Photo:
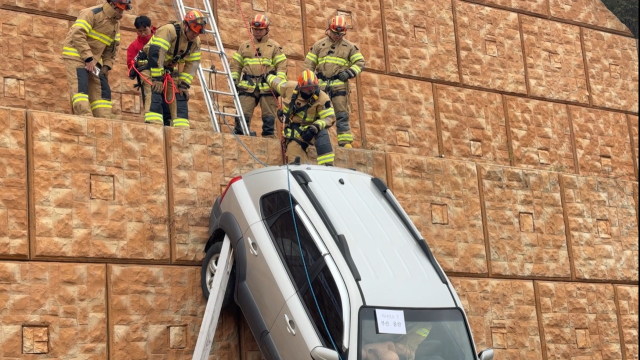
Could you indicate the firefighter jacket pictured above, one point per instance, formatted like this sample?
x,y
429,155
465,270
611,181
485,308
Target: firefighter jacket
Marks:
x,y
161,48
247,66
94,36
317,110
327,58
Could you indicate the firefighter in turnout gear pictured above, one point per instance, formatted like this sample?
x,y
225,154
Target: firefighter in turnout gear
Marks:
x,y
336,60
308,114
250,67
173,55
89,49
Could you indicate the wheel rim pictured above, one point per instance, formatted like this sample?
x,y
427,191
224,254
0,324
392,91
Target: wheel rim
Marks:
x,y
212,267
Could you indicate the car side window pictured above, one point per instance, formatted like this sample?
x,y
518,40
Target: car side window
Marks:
x,y
276,210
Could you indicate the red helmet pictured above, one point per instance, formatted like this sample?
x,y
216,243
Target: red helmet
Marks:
x,y
338,24
122,4
308,81
196,21
259,22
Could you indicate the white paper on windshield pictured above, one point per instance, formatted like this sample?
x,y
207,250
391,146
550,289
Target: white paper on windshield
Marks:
x,y
390,322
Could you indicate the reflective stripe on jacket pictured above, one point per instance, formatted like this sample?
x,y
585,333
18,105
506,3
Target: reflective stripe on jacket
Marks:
x,y
160,51
328,58
271,60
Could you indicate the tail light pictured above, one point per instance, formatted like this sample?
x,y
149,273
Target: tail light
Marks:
x,y
228,186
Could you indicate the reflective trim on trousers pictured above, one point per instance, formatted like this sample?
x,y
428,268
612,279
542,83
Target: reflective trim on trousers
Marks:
x,y
79,97
180,122
99,104
328,158
153,118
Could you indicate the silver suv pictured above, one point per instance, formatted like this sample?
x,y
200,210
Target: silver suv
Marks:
x,y
329,266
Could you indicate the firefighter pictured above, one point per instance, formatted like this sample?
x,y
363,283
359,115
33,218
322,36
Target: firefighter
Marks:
x,y
172,44
89,49
336,60
249,68
307,113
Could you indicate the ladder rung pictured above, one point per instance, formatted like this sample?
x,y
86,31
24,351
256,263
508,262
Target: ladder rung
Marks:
x,y
214,71
192,8
226,114
209,31
211,51
221,92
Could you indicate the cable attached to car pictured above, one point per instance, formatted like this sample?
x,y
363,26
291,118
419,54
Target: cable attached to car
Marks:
x,y
304,265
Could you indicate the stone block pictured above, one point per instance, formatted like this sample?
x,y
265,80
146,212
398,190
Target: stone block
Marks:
x,y
490,48
238,161
14,240
537,6
612,62
603,227
99,188
502,315
592,12
365,26
468,116
392,104
627,298
553,54
454,229
421,30
540,135
633,128
285,28
602,143
156,311
525,222
54,309
579,320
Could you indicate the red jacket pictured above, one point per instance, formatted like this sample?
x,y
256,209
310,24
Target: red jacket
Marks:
x,y
137,45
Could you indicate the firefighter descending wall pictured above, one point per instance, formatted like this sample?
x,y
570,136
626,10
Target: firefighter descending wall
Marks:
x,y
508,130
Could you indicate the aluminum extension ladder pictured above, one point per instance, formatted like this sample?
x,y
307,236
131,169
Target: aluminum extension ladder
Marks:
x,y
212,106
214,304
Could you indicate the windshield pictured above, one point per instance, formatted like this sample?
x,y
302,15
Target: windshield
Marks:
x,y
413,334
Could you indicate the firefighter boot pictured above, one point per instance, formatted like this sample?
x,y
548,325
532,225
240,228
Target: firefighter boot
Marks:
x,y
324,148
344,131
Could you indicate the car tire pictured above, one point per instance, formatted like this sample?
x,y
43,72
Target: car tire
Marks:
x,y
206,274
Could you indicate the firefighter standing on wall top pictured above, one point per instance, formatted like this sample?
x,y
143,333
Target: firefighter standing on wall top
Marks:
x,y
336,60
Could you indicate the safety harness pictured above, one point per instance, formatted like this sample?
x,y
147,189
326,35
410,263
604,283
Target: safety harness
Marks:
x,y
295,127
328,88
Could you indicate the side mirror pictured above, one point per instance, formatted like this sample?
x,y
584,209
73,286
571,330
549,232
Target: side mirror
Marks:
x,y
322,353
486,354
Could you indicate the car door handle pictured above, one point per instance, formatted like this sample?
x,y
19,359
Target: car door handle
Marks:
x,y
291,325
253,247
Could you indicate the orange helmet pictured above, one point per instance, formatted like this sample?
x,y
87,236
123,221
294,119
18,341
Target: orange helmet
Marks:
x,y
338,24
196,21
122,4
308,81
259,22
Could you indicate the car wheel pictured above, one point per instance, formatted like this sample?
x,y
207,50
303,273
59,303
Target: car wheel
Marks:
x,y
209,268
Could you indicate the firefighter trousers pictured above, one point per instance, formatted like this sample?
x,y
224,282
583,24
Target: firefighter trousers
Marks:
x,y
295,146
90,95
146,97
340,99
153,104
268,105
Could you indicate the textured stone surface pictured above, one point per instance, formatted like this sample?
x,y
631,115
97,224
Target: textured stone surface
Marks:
x,y
540,135
421,30
612,61
490,48
602,143
633,122
536,6
603,227
502,315
13,183
525,222
473,125
443,201
286,22
73,220
553,54
399,115
365,26
67,300
32,73
147,306
250,349
369,162
628,311
579,320
198,161
592,12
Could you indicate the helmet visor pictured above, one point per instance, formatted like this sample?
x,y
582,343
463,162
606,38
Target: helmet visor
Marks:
x,y
198,24
123,4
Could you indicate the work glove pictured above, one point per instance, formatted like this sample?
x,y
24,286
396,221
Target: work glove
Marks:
x,y
105,71
346,75
309,133
280,114
183,88
157,85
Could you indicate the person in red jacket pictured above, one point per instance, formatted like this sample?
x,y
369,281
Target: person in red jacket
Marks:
x,y
145,32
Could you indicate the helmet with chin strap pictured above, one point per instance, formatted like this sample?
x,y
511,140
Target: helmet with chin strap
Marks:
x,y
338,25
121,4
196,21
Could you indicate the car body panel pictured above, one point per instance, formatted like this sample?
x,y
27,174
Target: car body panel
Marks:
x,y
296,345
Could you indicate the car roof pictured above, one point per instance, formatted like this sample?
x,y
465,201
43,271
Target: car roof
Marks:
x,y
394,270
